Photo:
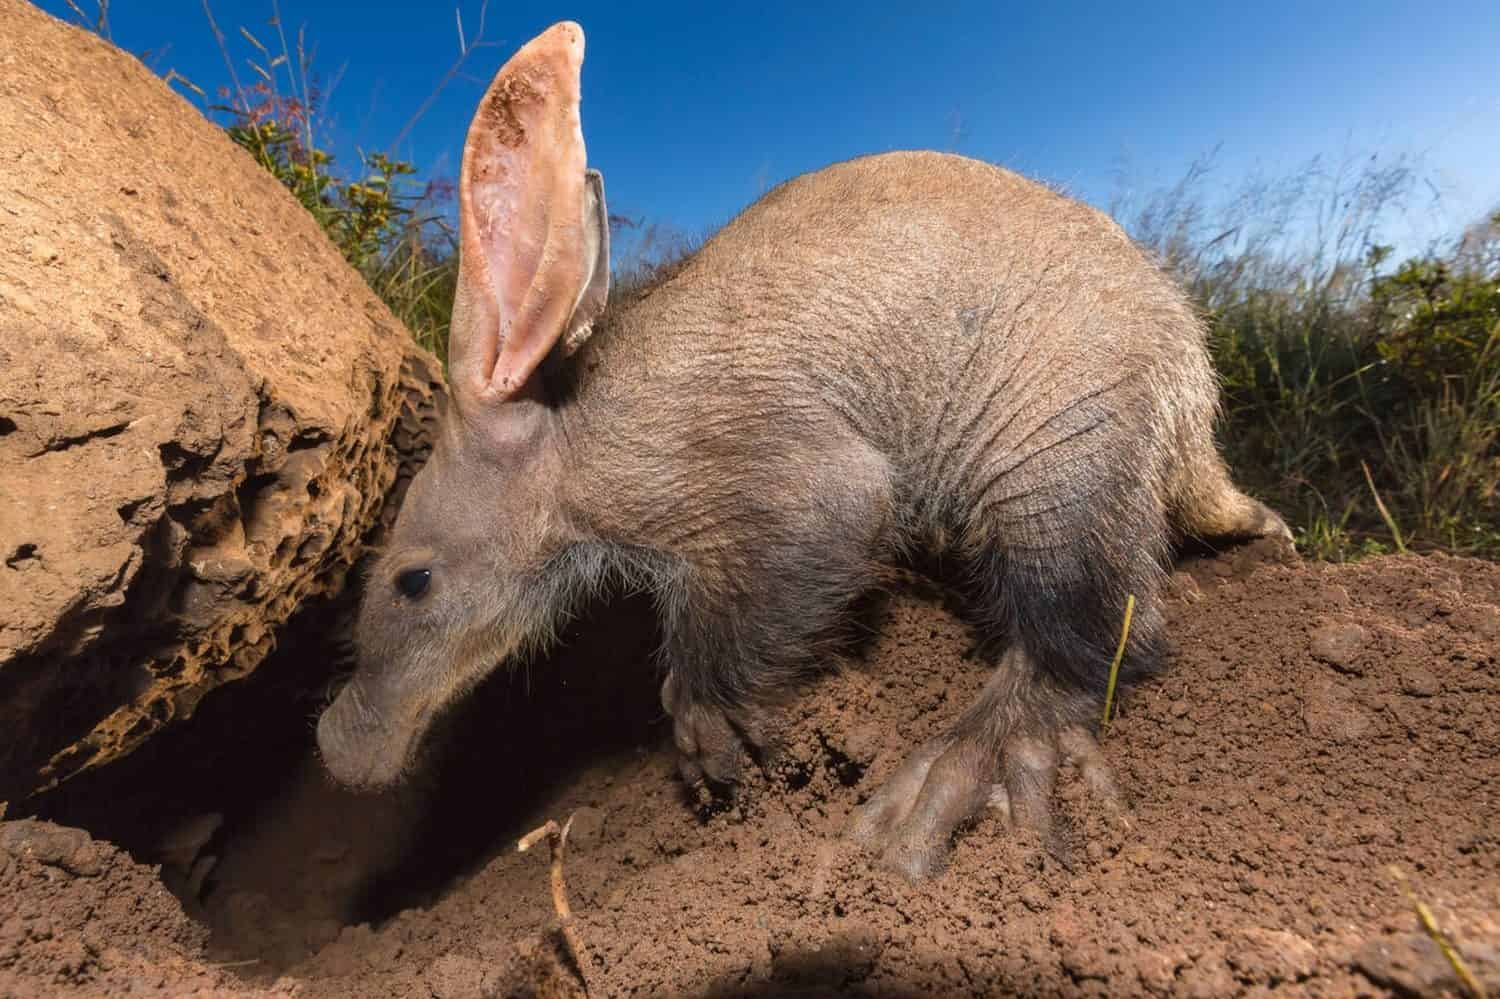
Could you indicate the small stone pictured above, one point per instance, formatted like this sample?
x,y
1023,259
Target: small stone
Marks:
x,y
1271,957
72,850
1418,682
1339,644
1409,963
455,976
862,743
1185,588
1034,898
1157,971
588,828
1328,712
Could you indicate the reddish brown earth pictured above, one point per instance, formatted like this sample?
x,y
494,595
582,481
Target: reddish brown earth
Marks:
x,y
1317,724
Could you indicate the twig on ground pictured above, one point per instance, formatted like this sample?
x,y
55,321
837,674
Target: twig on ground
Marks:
x,y
1430,926
557,837
1114,667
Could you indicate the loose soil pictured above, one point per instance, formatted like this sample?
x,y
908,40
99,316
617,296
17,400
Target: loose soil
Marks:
x,y
1316,725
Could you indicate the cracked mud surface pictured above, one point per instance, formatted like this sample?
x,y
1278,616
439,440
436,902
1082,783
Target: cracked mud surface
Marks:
x,y
1317,724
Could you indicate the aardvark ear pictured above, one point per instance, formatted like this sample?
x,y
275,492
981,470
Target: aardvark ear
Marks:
x,y
533,225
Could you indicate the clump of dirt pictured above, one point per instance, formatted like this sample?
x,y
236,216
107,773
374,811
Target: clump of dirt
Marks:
x,y
1316,725
80,915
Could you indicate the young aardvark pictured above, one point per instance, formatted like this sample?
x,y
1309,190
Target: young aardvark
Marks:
x,y
904,351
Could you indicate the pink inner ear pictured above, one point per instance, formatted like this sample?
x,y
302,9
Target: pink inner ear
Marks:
x,y
521,199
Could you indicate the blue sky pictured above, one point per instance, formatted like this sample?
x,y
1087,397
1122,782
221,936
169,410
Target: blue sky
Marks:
x,y
691,110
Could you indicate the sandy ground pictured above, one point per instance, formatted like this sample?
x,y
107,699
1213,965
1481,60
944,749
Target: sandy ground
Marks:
x,y
1316,725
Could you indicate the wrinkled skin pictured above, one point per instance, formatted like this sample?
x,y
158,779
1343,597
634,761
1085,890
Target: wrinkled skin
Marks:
x,y
477,609
906,351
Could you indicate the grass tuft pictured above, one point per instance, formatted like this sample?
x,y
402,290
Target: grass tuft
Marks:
x,y
1358,394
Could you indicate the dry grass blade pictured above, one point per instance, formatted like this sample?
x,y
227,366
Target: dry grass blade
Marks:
x,y
1114,667
1430,927
466,48
1385,515
253,40
175,77
557,837
98,25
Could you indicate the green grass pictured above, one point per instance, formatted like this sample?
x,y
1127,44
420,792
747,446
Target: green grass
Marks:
x,y
401,247
1361,396
392,229
1362,400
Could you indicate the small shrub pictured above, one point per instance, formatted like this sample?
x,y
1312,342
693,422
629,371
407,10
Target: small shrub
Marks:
x,y
389,229
1330,363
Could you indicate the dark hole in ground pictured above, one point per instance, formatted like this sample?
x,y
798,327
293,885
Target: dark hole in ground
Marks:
x,y
250,494
128,509
250,748
242,740
22,553
521,735
181,463
849,772
304,439
235,806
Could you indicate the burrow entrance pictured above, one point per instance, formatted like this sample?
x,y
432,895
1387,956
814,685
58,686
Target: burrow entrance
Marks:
x,y
257,842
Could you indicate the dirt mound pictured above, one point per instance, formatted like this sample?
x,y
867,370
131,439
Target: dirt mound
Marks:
x,y
202,407
82,918
1317,724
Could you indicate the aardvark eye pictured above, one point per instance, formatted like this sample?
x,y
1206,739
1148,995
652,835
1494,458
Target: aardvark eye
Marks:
x,y
413,582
